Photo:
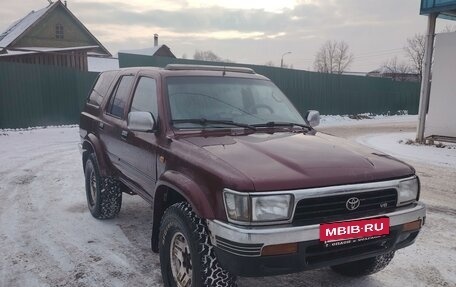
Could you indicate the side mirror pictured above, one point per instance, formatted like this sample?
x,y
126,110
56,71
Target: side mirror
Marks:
x,y
141,121
313,118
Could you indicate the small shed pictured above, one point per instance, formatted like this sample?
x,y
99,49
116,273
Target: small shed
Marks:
x,y
438,101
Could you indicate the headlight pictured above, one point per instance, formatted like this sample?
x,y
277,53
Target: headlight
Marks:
x,y
249,208
408,191
271,208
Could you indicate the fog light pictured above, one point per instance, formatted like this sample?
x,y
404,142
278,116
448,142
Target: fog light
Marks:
x,y
280,249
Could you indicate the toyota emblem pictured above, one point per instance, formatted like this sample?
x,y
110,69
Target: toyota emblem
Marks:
x,y
352,203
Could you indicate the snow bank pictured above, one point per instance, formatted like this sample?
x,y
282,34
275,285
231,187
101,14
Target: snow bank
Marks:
x,y
335,120
394,144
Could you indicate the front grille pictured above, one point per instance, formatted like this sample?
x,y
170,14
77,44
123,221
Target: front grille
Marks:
x,y
320,253
333,208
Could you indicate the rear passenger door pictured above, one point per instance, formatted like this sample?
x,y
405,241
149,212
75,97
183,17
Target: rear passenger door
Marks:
x,y
113,130
141,160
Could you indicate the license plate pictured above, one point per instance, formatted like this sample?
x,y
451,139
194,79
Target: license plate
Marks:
x,y
354,229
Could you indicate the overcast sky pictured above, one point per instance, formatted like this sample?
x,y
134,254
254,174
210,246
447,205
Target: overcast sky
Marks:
x,y
248,31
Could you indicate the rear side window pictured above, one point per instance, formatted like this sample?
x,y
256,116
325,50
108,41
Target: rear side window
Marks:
x,y
101,87
145,98
119,98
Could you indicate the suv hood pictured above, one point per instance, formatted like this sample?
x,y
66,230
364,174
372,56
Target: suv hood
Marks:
x,y
282,161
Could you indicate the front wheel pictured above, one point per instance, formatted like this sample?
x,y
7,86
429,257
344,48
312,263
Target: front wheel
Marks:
x,y
365,266
187,257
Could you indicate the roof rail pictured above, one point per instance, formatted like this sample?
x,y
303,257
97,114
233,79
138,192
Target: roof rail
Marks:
x,y
177,67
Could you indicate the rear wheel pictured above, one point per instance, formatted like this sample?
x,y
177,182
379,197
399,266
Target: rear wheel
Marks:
x,y
104,195
187,257
364,267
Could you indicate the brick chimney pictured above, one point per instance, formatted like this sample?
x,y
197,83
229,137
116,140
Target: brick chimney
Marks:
x,y
155,40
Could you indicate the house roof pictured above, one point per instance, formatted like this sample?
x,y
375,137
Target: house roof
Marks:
x,y
146,51
16,30
35,50
20,26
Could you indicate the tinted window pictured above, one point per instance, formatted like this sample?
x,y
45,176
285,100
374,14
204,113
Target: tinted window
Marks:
x,y
145,98
101,87
119,99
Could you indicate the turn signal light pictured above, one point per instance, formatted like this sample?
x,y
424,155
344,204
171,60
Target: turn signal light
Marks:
x,y
414,225
280,249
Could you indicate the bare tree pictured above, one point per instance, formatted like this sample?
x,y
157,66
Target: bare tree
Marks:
x,y
184,56
398,71
269,64
414,50
206,56
209,56
333,57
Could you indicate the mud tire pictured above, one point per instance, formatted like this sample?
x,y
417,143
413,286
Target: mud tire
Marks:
x,y
206,270
105,202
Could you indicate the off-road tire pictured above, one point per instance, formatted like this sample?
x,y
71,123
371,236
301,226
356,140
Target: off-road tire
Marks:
x,y
107,201
365,266
206,270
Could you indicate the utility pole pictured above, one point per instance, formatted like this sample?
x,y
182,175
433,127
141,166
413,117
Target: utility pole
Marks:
x,y
425,81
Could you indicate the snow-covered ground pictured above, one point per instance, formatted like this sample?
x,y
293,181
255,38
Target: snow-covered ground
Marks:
x,y
48,237
334,121
395,145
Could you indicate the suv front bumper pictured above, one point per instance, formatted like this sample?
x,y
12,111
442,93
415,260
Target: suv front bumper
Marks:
x,y
239,248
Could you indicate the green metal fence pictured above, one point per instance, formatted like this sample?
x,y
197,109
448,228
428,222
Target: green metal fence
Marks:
x,y
38,95
330,94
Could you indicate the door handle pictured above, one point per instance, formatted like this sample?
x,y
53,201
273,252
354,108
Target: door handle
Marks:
x,y
101,125
124,135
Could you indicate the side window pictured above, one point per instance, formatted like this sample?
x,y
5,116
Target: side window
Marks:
x,y
100,89
145,97
119,98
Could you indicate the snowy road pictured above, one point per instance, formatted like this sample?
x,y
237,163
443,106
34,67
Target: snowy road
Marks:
x,y
48,237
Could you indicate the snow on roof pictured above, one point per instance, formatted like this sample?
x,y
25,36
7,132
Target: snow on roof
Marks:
x,y
20,26
145,51
33,50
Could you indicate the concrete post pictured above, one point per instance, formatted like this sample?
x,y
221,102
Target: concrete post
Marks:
x,y
425,81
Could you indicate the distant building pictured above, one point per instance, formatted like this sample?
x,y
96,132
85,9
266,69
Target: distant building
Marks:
x,y
156,50
50,36
401,77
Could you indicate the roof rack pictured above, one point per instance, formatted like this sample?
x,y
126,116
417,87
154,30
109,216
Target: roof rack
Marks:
x,y
179,67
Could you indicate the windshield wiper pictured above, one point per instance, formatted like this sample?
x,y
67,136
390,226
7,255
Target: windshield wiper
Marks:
x,y
282,124
205,122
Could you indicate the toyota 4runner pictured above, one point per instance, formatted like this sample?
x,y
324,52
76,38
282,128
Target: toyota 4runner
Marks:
x,y
240,183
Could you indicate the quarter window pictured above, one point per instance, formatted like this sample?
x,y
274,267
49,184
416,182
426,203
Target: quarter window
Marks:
x,y
120,97
59,33
145,98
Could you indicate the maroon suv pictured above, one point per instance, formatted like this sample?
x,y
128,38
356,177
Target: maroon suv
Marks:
x,y
240,183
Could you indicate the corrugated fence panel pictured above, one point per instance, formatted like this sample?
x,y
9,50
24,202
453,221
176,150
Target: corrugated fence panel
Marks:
x,y
330,94
39,95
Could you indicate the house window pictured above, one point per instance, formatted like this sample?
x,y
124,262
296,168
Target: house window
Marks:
x,y
59,31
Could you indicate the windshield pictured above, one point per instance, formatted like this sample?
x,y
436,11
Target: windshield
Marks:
x,y
237,100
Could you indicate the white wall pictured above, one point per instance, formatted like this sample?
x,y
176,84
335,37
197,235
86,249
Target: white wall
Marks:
x,y
97,64
441,118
